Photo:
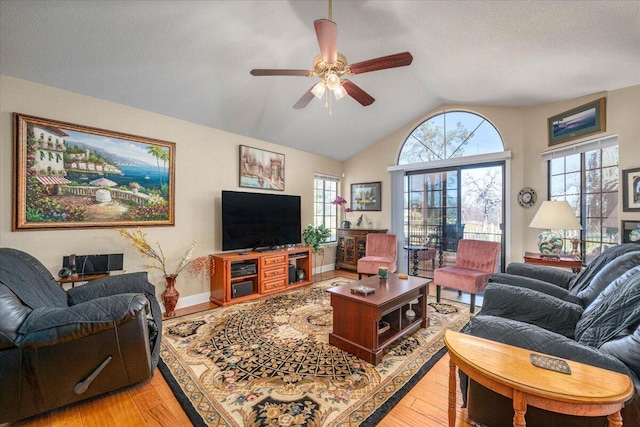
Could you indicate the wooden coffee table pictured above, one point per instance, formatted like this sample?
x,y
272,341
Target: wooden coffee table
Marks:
x,y
356,317
505,369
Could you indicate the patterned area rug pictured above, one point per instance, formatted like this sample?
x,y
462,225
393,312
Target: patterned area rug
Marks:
x,y
268,363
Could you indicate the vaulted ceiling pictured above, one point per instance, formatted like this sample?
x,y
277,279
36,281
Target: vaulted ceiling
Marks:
x,y
191,60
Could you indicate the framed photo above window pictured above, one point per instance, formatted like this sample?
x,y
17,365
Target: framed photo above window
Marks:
x,y
630,231
366,196
261,169
73,176
579,122
631,190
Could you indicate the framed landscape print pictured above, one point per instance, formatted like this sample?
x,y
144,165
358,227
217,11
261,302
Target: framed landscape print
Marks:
x,y
581,121
366,196
631,190
261,169
74,176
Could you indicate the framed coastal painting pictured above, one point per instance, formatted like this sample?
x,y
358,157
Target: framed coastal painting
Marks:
x,y
631,190
366,196
74,176
261,169
578,122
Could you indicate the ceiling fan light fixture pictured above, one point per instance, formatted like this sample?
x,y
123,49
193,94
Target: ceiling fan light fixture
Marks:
x,y
339,92
318,90
333,81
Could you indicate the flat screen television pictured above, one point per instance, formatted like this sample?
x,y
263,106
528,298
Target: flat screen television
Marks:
x,y
259,220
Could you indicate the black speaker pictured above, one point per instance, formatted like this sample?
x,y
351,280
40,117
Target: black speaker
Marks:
x,y
241,289
292,273
92,264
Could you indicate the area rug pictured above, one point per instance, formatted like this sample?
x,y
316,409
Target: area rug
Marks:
x,y
268,363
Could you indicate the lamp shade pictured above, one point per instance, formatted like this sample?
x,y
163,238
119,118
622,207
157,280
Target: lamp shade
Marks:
x,y
554,215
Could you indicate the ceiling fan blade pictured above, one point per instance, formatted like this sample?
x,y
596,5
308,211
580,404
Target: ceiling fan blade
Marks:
x,y
270,72
327,33
391,61
306,98
356,93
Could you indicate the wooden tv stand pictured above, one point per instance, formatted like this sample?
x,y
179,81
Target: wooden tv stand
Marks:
x,y
271,274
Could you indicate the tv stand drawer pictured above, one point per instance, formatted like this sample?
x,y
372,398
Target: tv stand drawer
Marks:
x,y
272,273
272,285
273,260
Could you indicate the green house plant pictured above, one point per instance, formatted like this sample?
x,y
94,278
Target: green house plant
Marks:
x,y
315,237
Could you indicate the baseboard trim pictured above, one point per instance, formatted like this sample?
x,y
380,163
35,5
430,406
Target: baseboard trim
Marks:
x,y
196,299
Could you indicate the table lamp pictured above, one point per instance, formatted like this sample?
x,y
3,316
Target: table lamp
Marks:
x,y
553,215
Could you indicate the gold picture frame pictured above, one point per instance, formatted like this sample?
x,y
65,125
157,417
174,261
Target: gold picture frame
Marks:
x,y
261,169
74,176
578,122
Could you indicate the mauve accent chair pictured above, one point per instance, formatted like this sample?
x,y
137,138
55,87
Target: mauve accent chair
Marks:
x,y
381,251
476,260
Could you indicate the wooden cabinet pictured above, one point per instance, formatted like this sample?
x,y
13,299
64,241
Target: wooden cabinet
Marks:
x,y
352,244
240,278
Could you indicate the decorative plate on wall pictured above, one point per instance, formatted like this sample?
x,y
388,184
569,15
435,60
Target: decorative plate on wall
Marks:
x,y
527,197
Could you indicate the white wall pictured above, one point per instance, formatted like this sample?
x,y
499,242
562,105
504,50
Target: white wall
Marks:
x,y
206,163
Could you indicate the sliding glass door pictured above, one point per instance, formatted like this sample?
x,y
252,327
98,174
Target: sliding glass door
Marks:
x,y
445,205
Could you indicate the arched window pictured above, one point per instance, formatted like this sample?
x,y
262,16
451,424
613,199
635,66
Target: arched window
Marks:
x,y
448,135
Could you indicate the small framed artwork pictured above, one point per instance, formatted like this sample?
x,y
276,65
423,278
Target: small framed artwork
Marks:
x,y
261,169
630,231
631,190
366,196
74,176
578,122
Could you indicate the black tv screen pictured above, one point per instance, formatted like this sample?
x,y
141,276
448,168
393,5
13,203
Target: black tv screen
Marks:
x,y
259,220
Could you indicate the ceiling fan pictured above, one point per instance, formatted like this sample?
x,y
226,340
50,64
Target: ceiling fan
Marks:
x,y
330,66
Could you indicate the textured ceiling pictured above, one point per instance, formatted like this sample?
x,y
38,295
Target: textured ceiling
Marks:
x,y
191,60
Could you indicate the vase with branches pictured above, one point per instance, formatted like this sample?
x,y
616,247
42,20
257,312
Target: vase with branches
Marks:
x,y
159,262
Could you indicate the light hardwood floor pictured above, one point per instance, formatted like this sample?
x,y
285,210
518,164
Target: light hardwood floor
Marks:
x,y
153,404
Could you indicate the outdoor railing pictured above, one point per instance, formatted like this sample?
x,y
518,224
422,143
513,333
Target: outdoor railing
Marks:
x,y
136,198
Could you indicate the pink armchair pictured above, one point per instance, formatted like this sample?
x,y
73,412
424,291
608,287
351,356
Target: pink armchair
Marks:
x,y
476,260
381,251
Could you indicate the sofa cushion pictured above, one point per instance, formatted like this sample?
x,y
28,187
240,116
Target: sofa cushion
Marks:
x,y
614,310
13,315
49,326
582,280
532,283
30,280
531,306
608,274
626,348
553,275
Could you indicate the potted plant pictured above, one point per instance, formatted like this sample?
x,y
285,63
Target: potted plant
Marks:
x,y
315,237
